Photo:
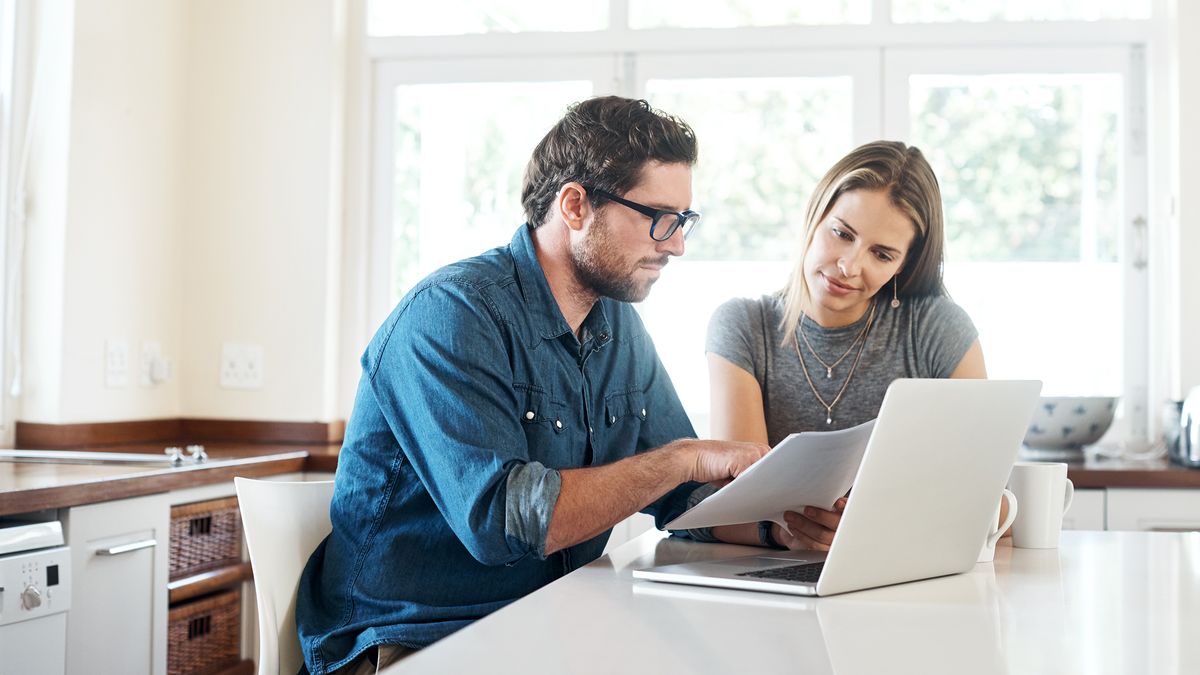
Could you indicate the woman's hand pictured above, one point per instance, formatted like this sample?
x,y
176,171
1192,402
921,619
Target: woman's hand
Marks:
x,y
810,530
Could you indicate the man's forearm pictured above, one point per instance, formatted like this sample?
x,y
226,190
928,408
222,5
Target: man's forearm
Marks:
x,y
594,499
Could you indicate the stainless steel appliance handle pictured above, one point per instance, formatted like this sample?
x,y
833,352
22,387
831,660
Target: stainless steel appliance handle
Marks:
x,y
128,548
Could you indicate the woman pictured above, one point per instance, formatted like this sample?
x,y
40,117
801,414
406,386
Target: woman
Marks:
x,y
864,306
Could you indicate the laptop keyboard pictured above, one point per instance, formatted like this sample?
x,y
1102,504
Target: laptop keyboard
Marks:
x,y
805,572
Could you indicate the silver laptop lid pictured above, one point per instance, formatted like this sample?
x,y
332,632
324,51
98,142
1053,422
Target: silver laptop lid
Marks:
x,y
929,482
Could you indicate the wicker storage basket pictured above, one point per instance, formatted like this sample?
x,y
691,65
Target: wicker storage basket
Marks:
x,y
204,635
205,536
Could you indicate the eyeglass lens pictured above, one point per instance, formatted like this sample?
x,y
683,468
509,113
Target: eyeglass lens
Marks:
x,y
666,224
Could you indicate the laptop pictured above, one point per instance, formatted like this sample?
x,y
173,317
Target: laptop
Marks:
x,y
922,502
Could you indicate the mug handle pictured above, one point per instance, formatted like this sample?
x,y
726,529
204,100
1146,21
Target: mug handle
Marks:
x,y
1070,495
1008,520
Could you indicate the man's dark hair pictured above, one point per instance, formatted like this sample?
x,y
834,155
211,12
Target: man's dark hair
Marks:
x,y
604,143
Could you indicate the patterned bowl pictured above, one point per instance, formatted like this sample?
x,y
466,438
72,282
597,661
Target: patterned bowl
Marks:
x,y
1069,422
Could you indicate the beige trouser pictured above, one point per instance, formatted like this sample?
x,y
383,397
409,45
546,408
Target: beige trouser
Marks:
x,y
374,660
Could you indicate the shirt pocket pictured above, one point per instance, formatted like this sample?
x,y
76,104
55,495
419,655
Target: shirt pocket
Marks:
x,y
625,408
545,424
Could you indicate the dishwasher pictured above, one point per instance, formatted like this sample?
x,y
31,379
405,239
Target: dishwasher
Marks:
x,y
35,595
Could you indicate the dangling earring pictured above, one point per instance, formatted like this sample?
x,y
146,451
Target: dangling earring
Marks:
x,y
895,291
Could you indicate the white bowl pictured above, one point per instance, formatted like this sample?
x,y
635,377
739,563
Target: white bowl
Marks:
x,y
1069,422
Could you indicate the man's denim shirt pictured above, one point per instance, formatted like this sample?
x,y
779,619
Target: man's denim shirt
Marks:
x,y
474,394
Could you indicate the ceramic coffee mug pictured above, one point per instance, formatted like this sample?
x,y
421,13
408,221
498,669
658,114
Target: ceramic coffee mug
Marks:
x,y
988,551
1045,494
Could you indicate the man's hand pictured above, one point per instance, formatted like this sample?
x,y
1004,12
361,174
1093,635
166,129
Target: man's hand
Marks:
x,y
719,462
593,499
810,530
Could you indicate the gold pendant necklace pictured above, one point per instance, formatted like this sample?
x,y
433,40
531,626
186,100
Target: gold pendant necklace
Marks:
x,y
830,366
853,367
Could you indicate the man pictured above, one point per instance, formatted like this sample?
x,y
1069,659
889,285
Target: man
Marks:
x,y
512,408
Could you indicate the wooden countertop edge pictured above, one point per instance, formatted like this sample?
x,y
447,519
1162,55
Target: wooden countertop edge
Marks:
x,y
1150,477
150,482
325,462
165,480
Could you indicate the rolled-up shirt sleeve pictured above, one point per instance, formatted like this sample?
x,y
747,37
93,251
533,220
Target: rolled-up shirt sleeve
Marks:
x,y
704,534
532,492
444,381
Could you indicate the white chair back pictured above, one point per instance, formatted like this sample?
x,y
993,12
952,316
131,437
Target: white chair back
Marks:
x,y
284,522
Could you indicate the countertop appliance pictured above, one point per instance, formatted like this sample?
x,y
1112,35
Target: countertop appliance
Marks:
x,y
1186,450
35,595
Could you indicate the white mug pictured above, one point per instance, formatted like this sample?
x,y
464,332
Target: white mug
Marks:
x,y
988,551
1045,494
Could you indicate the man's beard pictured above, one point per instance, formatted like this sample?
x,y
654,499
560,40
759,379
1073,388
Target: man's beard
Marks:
x,y
599,266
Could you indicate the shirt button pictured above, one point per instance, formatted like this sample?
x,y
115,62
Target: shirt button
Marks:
x,y
643,412
529,415
612,420
557,424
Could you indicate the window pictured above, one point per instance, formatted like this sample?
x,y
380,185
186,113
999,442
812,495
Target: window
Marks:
x,y
458,166
1043,179
450,156
1038,141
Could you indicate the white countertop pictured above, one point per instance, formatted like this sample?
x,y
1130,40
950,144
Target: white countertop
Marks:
x,y
1104,602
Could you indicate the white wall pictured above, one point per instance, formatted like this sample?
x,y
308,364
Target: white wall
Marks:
x,y
186,190
123,206
45,228
103,225
263,211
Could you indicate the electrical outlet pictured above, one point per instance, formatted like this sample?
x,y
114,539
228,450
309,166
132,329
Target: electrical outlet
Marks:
x,y
116,363
153,368
241,365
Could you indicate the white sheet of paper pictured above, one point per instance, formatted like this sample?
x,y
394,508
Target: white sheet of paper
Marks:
x,y
812,468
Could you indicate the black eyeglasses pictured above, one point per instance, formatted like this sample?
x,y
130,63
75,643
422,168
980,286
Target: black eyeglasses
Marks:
x,y
662,223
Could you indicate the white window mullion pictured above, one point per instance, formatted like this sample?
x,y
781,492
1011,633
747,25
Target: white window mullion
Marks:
x,y
1136,255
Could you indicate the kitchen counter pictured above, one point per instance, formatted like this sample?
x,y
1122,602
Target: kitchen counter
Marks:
x,y
32,486
1094,471
1104,602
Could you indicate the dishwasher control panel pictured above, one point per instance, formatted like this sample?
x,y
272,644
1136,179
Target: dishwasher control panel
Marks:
x,y
34,584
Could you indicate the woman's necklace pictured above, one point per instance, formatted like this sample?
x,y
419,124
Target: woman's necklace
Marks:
x,y
830,366
829,406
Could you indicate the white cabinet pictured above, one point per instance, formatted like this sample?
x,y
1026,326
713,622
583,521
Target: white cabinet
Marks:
x,y
118,617
1159,509
1087,511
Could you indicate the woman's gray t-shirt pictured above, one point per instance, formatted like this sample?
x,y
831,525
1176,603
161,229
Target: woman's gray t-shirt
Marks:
x,y
925,337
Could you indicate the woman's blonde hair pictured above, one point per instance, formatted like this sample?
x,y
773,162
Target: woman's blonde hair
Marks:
x,y
906,176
